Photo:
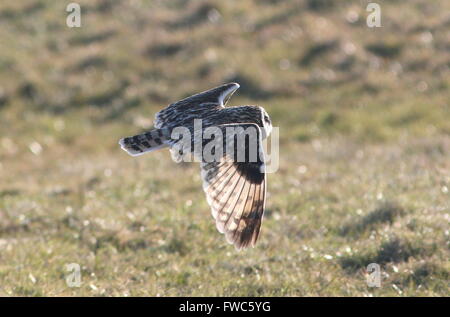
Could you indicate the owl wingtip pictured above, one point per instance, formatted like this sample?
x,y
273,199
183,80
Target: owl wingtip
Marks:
x,y
227,92
234,84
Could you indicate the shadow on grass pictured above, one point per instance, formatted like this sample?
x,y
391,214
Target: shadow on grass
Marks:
x,y
318,50
394,250
197,17
425,274
386,213
86,39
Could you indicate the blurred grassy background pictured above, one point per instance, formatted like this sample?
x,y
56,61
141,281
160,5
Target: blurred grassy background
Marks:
x,y
364,121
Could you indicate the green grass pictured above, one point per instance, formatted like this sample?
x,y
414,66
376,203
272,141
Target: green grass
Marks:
x,y
364,145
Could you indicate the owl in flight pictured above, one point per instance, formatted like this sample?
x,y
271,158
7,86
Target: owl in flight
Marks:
x,y
235,188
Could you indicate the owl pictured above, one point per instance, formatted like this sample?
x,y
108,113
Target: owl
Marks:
x,y
234,184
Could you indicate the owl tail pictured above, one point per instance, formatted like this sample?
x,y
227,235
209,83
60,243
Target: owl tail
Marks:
x,y
146,142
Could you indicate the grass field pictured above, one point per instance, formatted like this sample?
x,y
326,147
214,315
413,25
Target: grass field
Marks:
x,y
364,177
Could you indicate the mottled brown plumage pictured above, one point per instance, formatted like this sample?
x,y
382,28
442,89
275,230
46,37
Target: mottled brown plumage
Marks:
x,y
235,188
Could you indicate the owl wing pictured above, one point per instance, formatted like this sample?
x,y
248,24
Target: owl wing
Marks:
x,y
236,192
215,97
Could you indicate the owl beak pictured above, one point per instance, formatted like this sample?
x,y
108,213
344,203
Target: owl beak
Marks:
x,y
229,89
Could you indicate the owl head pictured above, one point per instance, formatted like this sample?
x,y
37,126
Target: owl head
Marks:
x,y
266,123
